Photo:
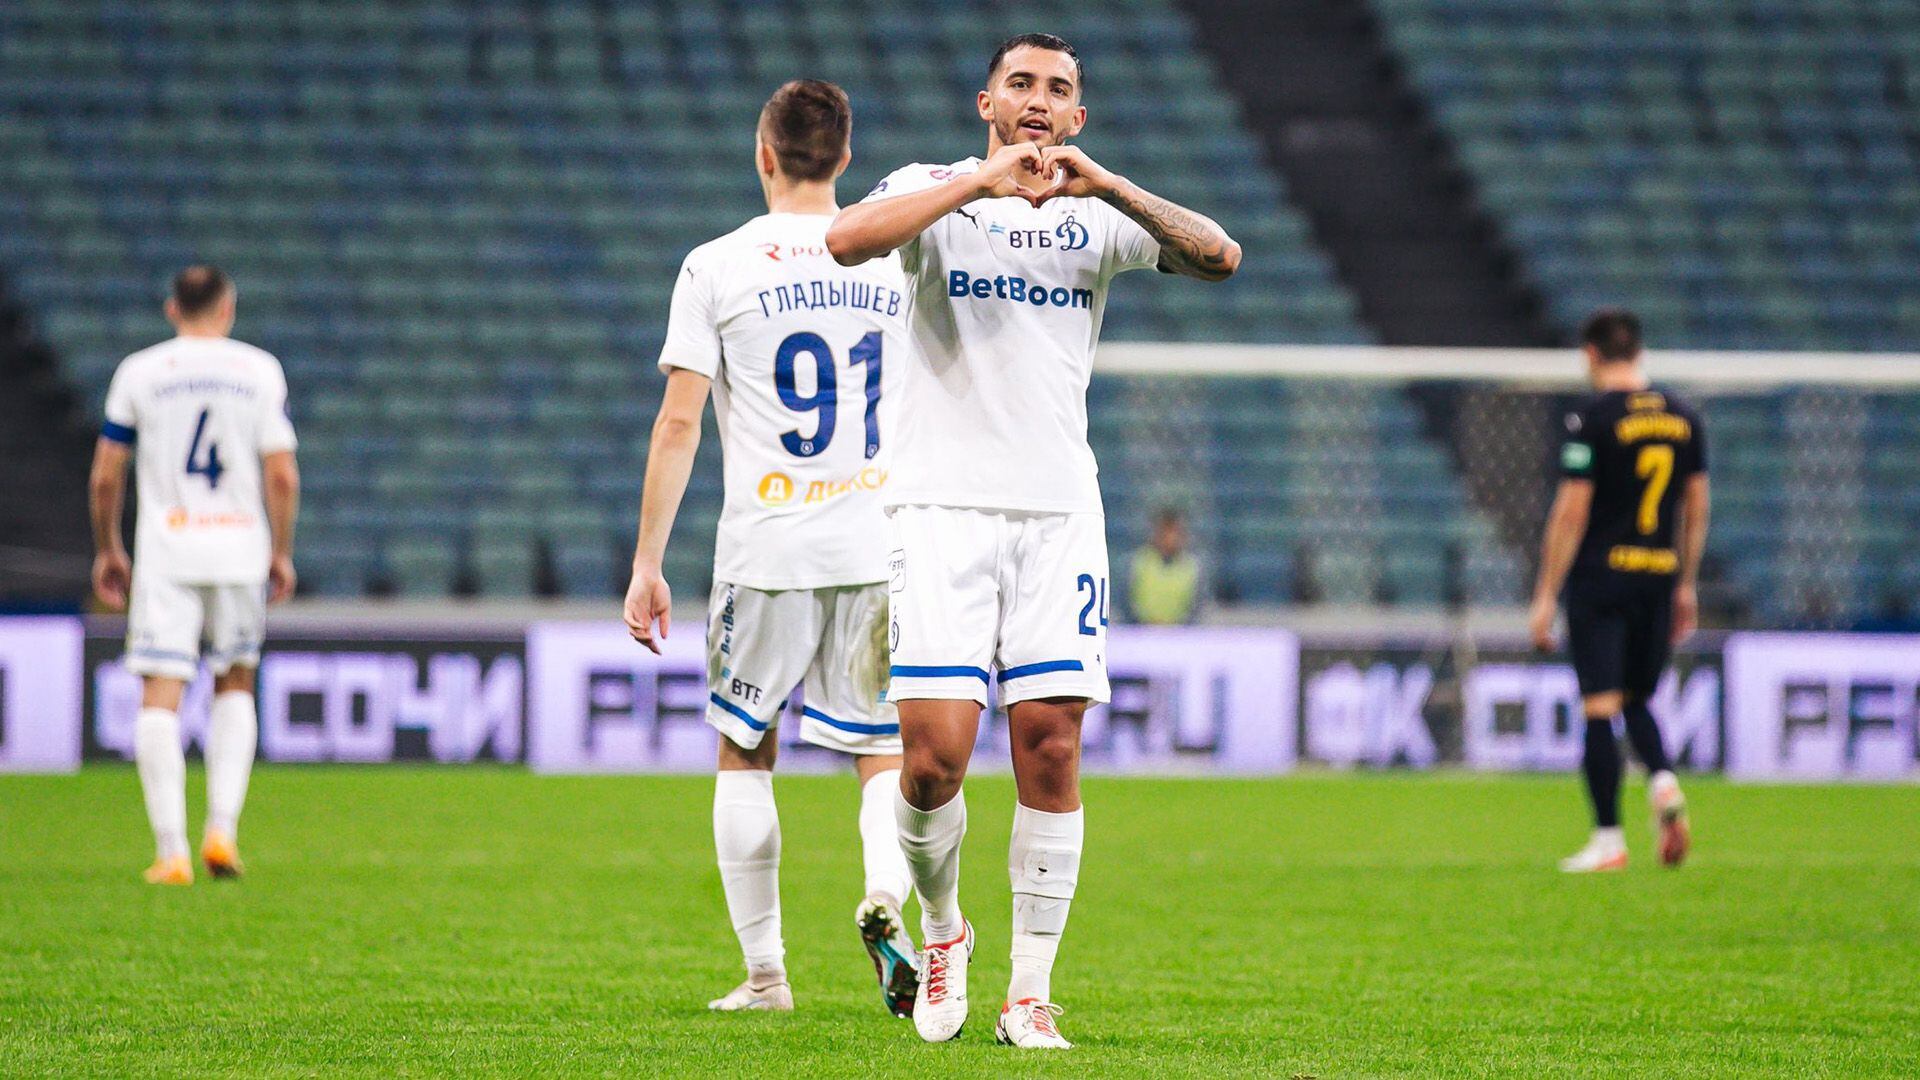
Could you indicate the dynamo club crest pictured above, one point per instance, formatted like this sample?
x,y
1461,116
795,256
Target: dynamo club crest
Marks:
x,y
1071,234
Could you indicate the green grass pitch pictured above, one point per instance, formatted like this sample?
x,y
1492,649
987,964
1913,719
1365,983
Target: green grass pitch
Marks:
x,y
430,922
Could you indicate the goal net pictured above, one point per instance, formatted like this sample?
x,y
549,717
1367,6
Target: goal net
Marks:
x,y
1396,483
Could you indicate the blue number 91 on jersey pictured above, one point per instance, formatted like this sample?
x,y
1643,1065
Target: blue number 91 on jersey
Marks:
x,y
825,397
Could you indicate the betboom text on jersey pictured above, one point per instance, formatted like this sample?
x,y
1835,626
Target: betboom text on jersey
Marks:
x,y
1015,290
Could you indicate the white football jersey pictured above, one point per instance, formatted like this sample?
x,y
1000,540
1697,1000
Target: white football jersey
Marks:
x,y
801,351
1004,305
200,412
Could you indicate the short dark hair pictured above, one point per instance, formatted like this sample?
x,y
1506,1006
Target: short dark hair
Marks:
x,y
1613,332
807,122
198,288
1037,41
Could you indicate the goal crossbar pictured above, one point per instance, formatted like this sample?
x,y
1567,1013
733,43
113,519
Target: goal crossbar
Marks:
x,y
1526,368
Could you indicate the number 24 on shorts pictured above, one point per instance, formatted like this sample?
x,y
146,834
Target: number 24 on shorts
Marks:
x,y
1096,593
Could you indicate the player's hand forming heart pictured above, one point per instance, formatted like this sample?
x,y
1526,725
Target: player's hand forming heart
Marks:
x,y
1075,175
1012,172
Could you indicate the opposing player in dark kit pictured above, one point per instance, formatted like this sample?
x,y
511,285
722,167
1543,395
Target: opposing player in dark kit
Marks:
x,y
1624,538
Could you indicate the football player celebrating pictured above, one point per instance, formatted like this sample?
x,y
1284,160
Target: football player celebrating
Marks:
x,y
999,567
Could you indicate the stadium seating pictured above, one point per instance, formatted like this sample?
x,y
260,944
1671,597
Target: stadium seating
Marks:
x,y
1815,511
1303,492
460,230
1740,171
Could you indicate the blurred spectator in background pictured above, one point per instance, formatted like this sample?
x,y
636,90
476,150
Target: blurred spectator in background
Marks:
x,y
1164,584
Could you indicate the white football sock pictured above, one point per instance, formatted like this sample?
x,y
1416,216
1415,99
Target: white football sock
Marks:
x,y
746,837
930,839
1043,864
162,765
886,864
1663,788
232,731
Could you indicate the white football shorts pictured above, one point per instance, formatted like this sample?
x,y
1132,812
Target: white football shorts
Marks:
x,y
1017,597
830,641
167,621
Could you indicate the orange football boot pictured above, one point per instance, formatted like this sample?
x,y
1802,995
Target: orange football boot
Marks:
x,y
176,870
221,855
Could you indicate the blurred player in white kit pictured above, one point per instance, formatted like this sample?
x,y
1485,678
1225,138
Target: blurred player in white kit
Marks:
x,y
204,419
796,351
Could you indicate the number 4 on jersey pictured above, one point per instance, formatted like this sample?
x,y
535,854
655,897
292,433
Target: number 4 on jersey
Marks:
x,y
211,467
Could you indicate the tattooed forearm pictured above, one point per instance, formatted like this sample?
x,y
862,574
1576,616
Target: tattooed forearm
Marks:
x,y
1190,243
